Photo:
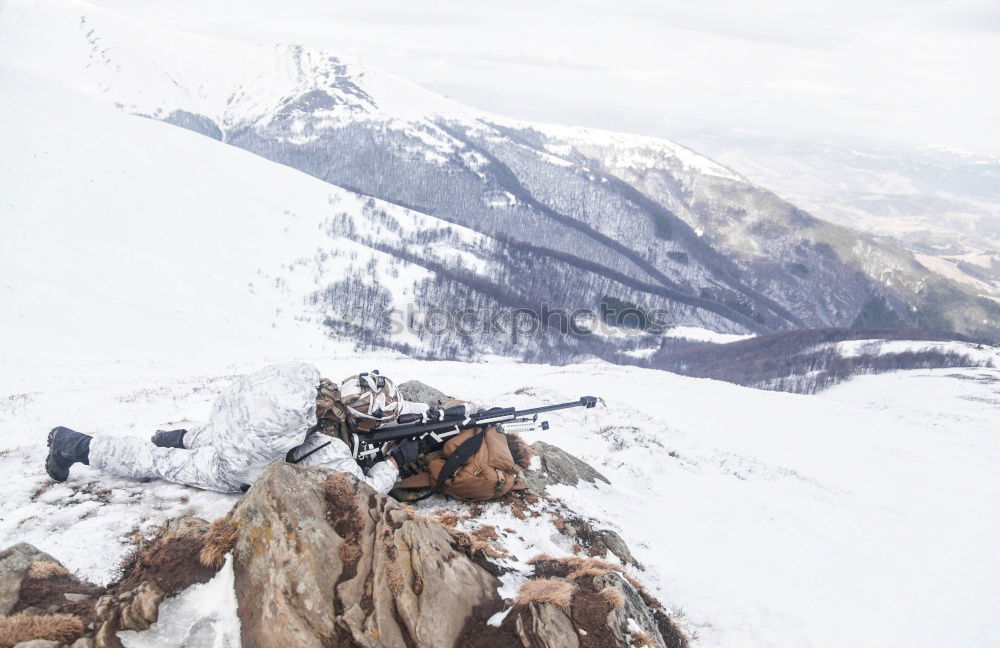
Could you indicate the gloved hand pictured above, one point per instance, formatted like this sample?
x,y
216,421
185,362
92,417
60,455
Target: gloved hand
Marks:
x,y
169,438
405,452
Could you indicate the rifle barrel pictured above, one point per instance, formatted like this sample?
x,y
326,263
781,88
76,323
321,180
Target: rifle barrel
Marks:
x,y
397,432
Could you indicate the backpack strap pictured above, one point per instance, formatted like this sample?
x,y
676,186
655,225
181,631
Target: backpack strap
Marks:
x,y
459,456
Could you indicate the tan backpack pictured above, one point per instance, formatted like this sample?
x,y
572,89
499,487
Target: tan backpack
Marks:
x,y
475,465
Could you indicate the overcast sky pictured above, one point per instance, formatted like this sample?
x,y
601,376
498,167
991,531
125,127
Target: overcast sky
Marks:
x,y
926,73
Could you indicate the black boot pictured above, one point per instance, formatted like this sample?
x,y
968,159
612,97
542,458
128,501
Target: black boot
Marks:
x,y
169,438
66,447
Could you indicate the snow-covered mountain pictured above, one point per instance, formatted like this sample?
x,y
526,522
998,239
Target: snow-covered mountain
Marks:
x,y
143,265
942,204
563,218
107,247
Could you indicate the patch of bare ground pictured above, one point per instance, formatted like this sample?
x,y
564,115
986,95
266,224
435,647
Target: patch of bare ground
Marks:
x,y
171,560
584,571
522,504
591,601
49,589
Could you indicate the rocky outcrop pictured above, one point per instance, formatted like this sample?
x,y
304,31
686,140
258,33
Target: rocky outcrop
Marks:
x,y
322,559
559,467
418,392
545,625
40,643
596,542
159,568
14,565
40,600
580,603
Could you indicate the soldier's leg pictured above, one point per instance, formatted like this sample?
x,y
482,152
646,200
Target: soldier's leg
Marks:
x,y
253,423
137,458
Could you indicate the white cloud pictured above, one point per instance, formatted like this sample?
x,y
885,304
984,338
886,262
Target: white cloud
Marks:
x,y
826,67
798,86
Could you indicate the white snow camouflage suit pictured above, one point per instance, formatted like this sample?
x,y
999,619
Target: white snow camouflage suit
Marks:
x,y
254,422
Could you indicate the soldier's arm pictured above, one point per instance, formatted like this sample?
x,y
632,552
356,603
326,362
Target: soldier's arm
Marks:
x,y
337,456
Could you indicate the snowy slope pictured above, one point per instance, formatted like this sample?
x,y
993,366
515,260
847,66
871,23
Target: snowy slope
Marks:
x,y
109,250
771,519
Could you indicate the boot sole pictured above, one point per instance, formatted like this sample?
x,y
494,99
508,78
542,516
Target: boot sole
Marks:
x,y
48,443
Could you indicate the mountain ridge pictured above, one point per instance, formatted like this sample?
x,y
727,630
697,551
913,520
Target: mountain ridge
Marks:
x,y
643,220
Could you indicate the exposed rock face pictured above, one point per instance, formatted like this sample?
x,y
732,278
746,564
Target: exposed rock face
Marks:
x,y
163,567
580,603
43,600
418,392
46,600
545,625
323,560
14,564
559,467
598,542
40,643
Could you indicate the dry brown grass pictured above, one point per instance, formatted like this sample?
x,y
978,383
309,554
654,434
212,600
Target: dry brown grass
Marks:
x,y
342,509
643,639
25,627
449,519
43,569
546,590
338,488
573,568
613,596
416,515
635,583
394,572
220,540
473,544
520,451
349,553
579,564
479,540
486,533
